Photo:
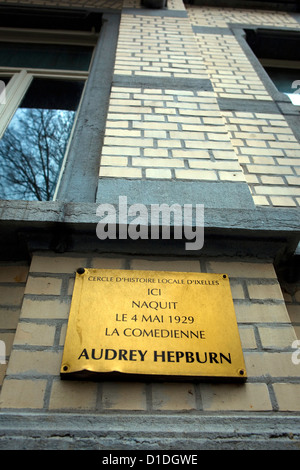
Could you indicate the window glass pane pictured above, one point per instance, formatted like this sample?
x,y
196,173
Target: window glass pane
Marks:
x,y
33,146
45,56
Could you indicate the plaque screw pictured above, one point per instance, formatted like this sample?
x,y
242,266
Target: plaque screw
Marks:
x,y
80,270
65,368
241,371
224,276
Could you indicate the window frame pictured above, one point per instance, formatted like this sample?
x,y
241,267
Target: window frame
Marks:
x,y
21,78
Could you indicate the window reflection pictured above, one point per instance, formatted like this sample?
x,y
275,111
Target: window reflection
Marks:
x,y
34,144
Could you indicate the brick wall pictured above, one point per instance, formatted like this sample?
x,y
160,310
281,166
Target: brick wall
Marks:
x,y
180,133
32,380
168,130
154,133
165,122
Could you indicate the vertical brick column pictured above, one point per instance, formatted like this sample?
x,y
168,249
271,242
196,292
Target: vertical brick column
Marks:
x,y
265,144
164,122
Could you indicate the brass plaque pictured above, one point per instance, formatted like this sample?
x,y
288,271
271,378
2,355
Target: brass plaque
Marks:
x,y
152,324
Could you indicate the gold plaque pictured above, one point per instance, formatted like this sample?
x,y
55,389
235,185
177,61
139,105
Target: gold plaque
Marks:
x,y
152,324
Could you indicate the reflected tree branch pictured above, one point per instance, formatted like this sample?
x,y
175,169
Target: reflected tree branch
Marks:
x,y
31,153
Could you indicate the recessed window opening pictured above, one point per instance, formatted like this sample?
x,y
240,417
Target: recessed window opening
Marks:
x,y
279,54
34,144
44,84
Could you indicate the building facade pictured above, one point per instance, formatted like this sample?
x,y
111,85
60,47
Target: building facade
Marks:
x,y
187,104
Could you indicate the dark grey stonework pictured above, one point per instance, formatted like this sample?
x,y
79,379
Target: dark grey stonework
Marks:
x,y
134,432
163,82
218,195
156,12
79,180
266,233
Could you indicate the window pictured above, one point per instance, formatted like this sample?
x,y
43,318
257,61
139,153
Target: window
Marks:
x,y
44,76
279,54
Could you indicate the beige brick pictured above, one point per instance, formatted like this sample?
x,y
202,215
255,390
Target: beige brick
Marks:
x,y
157,162
43,286
275,364
122,132
156,134
260,200
23,394
156,153
247,337
182,153
224,154
261,152
173,396
196,175
277,190
168,265
251,179
293,180
120,151
124,396
186,135
68,395
207,144
240,269
217,165
45,309
117,124
283,201
287,396
269,169
115,115
158,173
34,362
114,161
122,172
265,291
234,397
56,264
128,142
170,144
231,176
237,291
63,333
272,180
131,110
35,334
256,313
282,337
